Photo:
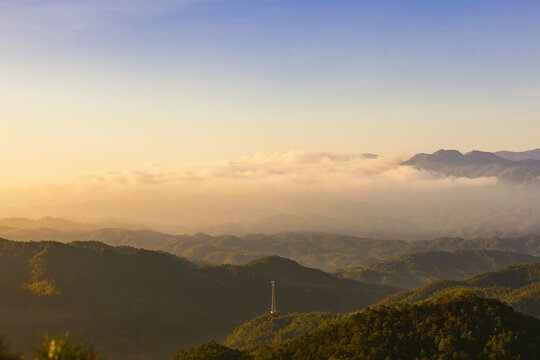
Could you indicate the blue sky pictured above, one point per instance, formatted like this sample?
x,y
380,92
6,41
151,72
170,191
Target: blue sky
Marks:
x,y
167,81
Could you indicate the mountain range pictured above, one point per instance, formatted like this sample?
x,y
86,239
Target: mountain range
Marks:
x,y
524,168
319,250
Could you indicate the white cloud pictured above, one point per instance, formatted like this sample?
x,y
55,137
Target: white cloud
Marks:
x,y
296,182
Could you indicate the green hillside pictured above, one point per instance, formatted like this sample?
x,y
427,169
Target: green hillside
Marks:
x,y
464,327
142,304
414,270
270,329
517,285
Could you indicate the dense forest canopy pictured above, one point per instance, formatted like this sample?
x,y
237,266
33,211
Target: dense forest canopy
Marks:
x,y
463,327
270,328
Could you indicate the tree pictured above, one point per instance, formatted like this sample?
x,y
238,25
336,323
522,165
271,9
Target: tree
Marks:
x,y
64,347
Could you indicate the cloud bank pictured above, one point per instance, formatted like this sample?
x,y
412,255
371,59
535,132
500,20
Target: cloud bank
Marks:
x,y
294,170
355,194
230,190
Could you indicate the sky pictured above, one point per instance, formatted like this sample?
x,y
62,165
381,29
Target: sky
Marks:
x,y
93,87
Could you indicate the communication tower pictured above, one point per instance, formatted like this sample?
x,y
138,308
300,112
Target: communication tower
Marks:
x,y
273,307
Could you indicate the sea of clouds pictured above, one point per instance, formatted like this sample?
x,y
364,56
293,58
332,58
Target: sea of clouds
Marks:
x,y
262,180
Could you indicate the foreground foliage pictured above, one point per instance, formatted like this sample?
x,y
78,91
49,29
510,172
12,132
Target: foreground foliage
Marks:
x,y
5,351
60,347
64,347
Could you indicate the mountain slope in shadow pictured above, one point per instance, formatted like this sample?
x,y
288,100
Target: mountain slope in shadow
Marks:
x,y
142,304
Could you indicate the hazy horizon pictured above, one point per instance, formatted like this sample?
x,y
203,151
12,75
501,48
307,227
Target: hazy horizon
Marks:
x,y
353,194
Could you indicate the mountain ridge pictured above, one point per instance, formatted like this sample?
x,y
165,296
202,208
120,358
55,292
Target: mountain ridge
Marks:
x,y
418,269
520,155
476,164
321,250
517,285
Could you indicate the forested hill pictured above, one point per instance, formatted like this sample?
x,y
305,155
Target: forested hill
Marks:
x,y
517,285
464,327
268,329
141,304
414,270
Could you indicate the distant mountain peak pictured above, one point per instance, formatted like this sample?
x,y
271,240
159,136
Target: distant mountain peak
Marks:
x,y
273,260
448,152
449,155
484,157
477,164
